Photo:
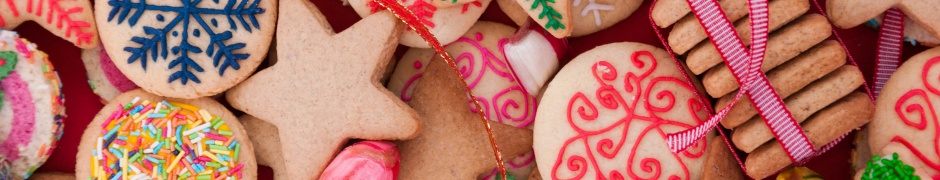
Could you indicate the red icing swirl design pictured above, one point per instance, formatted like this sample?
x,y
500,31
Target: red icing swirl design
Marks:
x,y
916,110
511,105
644,99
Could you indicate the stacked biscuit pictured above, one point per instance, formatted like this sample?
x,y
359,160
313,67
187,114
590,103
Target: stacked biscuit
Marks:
x,y
807,71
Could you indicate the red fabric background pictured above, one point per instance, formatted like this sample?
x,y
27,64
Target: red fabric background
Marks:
x,y
82,104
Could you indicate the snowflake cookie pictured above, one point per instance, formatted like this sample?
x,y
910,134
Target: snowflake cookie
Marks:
x,y
186,48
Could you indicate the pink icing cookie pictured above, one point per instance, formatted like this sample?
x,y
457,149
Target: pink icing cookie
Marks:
x,y
31,114
605,115
103,76
364,160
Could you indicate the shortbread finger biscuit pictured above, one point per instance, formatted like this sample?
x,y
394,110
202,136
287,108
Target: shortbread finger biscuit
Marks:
x,y
848,113
704,56
267,144
688,32
788,79
720,163
924,13
667,12
850,13
781,47
814,97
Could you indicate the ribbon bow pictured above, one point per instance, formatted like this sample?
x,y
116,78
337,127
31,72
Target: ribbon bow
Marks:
x,y
745,66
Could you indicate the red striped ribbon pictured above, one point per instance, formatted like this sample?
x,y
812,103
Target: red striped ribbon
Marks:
x,y
890,39
745,66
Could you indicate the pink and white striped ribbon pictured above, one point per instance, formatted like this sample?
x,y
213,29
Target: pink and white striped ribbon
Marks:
x,y
890,39
745,66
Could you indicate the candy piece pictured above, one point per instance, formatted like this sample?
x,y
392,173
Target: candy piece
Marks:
x,y
364,160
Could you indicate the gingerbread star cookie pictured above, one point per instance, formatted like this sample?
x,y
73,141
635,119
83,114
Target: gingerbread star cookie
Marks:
x,y
606,115
264,138
447,24
186,48
324,88
71,20
905,119
454,142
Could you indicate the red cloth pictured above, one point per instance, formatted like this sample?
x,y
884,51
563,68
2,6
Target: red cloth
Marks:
x,y
82,104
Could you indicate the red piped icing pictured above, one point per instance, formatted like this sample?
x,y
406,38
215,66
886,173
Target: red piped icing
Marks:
x,y
600,140
114,75
914,101
24,115
365,160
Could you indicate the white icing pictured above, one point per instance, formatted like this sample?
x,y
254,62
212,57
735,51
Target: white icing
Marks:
x,y
594,7
534,61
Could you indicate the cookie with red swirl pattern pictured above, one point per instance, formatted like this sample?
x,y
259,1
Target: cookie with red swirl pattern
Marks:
x,y
906,118
606,115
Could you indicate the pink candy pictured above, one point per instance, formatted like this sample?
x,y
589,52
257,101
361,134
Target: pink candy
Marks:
x,y
364,160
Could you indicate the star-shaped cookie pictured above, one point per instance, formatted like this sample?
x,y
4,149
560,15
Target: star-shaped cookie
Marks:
x,y
264,138
454,143
325,87
71,20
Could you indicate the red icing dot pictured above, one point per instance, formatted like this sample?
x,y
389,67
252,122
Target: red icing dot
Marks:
x,y
3,62
417,65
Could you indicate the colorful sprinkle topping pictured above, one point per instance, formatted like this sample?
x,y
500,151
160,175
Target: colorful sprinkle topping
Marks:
x,y
888,168
164,140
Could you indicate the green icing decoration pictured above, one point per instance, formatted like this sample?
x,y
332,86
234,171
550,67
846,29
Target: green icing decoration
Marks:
x,y
550,13
888,168
508,176
7,63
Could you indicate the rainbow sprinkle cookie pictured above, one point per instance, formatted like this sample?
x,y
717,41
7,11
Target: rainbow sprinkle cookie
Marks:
x,y
140,137
31,111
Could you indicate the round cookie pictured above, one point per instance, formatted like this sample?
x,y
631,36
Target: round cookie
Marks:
x,y
31,106
133,134
408,72
905,120
606,115
446,24
199,52
591,16
103,76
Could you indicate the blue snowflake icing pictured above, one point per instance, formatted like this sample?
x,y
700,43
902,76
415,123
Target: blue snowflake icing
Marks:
x,y
154,42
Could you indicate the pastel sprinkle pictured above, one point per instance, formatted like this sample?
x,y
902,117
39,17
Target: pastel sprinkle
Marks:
x,y
179,141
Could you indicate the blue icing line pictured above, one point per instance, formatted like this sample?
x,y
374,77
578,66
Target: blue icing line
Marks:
x,y
155,41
